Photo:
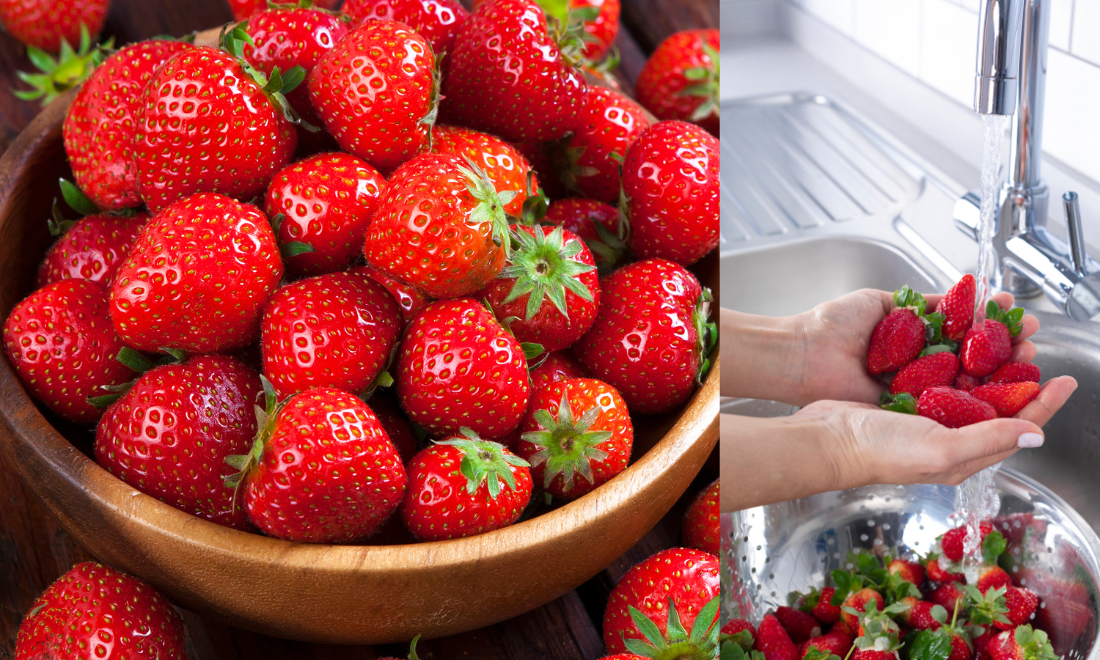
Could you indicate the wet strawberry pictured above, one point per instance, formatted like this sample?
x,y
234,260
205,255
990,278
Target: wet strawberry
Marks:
x,y
988,346
858,601
701,521
507,168
992,577
680,79
899,338
409,298
1021,604
820,604
92,249
954,540
836,643
950,597
957,308
799,625
937,574
937,369
919,615
774,641
953,408
1015,372
595,222
910,571
1023,643
1007,398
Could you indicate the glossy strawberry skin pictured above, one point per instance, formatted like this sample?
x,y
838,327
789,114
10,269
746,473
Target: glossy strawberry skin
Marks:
x,y
242,9
329,201
329,473
93,249
896,341
170,434
1015,372
929,371
670,178
833,642
701,521
689,577
458,368
436,250
438,21
644,342
1007,398
581,216
603,29
992,577
938,574
437,505
986,348
93,611
949,595
798,624
858,601
197,277
206,126
383,403
773,640
662,78
953,542
609,123
409,298
336,330
372,91
506,167
62,344
953,408
482,89
557,366
910,571
45,23
957,308
101,126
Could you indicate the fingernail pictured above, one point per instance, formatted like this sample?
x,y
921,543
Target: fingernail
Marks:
x,y
1029,441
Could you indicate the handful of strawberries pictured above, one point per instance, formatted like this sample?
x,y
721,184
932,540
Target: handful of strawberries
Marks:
x,y
945,366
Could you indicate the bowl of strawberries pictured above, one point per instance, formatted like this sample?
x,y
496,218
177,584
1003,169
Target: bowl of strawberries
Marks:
x,y
879,573
321,355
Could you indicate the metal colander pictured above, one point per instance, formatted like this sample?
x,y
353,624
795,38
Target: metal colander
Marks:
x,y
772,550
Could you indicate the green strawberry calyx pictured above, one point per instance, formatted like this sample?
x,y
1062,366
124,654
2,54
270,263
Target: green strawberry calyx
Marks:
x,y
676,644
266,418
565,25
137,363
989,607
1034,644
1011,318
903,403
566,445
64,73
277,85
907,298
742,638
490,207
734,651
484,461
76,200
705,81
290,248
535,203
706,333
543,267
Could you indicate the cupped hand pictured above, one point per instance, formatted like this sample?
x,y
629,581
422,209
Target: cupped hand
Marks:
x,y
834,337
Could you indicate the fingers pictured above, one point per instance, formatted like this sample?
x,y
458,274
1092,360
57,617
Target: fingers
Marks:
x,y
1004,299
986,440
933,300
1028,326
1051,398
1023,352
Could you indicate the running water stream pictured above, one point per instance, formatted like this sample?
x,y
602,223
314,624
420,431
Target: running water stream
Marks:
x,y
976,498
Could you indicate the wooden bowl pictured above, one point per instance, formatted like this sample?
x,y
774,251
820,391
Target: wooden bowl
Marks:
x,y
334,594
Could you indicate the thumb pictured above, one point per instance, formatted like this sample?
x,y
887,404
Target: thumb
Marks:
x,y
996,436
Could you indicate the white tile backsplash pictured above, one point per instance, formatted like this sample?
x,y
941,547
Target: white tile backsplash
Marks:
x,y
1071,131
1061,23
891,30
948,41
1086,30
839,14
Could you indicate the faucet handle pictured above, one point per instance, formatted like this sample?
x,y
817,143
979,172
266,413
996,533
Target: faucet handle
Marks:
x,y
1075,232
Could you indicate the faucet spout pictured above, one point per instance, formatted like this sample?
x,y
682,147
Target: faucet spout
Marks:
x,y
996,86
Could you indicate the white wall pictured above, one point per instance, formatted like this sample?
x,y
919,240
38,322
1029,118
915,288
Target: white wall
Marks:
x,y
743,18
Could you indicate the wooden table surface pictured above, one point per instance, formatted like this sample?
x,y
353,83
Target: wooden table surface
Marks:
x,y
34,551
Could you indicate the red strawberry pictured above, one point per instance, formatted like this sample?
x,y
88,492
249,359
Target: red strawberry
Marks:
x,y
957,308
94,611
736,630
576,435
899,338
507,168
953,408
409,298
919,615
63,346
376,92
483,89
819,604
841,626
836,643
602,29
595,222
966,382
440,227
937,369
46,23
680,79
871,654
1023,643
678,577
183,419
92,249
988,346
384,405
242,9
458,368
992,577
101,127
949,596
798,624
608,124
937,574
547,174
1021,604
670,179
322,470
197,277
1015,372
462,486
650,337
438,21
858,601
1007,398
773,640
556,367
960,649
910,571
208,126
336,330
701,521
328,201
549,288
953,540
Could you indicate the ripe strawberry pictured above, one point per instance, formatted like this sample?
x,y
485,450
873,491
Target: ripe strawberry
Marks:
x,y
936,369
101,126
989,346
740,632
858,601
63,346
1007,398
957,308
322,469
438,21
440,227
899,338
547,174
170,434
670,179
1015,372
655,369
992,577
966,382
549,288
576,435
1023,643
556,367
687,580
463,486
701,521
336,330
242,9
377,93
1021,604
953,540
92,249
484,91
595,222
209,125
841,626
93,611
871,653
680,79
197,277
409,298
953,408
506,167
774,641
936,573
601,30
45,24
457,367
910,571
608,124
383,403
328,201
799,625
819,603
950,597
919,616
836,643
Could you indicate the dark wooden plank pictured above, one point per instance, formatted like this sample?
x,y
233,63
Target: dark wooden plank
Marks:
x,y
650,21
